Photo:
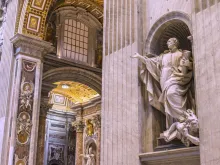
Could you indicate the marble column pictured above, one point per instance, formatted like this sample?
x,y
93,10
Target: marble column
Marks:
x,y
79,125
25,101
120,139
206,41
44,107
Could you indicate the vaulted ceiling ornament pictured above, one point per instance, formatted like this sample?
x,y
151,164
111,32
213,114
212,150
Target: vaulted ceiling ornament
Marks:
x,y
74,91
33,22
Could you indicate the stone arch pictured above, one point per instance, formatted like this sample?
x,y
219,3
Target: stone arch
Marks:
x,y
71,74
31,11
177,21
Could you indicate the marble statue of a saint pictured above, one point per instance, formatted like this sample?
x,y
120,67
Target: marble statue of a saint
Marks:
x,y
90,157
168,80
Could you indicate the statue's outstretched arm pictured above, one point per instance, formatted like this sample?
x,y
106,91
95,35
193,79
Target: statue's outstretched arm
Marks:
x,y
140,57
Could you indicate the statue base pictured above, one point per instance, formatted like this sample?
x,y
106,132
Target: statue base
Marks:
x,y
181,156
163,145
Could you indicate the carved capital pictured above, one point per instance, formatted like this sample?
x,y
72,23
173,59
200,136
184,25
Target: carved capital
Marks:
x,y
79,125
31,46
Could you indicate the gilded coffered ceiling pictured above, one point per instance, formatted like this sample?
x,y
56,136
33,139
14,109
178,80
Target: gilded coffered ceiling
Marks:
x,y
74,91
33,14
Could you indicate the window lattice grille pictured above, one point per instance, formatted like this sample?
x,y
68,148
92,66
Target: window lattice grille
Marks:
x,y
75,45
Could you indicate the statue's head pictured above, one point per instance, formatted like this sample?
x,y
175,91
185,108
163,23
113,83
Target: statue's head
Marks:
x,y
90,150
194,126
172,43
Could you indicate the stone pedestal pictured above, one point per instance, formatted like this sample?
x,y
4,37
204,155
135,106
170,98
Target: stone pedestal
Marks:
x,y
183,156
25,101
163,145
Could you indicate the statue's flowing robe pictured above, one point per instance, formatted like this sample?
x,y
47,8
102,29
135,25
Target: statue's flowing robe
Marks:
x,y
90,159
168,89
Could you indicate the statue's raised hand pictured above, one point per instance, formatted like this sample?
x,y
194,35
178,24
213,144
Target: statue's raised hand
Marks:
x,y
136,55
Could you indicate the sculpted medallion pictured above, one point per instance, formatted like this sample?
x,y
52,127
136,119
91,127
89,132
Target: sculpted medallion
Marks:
x,y
23,127
26,97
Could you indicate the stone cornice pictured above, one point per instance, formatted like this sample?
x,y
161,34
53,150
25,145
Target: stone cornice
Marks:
x,y
29,46
175,155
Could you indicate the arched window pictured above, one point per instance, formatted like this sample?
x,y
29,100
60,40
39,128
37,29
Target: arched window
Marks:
x,y
75,40
77,35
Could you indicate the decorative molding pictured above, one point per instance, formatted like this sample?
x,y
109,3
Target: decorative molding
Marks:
x,y
31,46
25,108
36,9
33,22
171,157
38,4
79,14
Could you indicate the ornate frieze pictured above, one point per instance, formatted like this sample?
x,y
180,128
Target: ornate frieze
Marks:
x,y
37,10
24,114
23,128
26,97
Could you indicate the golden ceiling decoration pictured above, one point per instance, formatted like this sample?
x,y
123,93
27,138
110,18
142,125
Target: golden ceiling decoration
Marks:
x,y
74,91
94,7
36,12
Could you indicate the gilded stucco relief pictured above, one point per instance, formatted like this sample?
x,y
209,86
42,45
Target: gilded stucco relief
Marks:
x,y
24,115
36,13
74,91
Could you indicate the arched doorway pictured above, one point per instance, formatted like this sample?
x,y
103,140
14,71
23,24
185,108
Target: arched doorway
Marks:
x,y
72,92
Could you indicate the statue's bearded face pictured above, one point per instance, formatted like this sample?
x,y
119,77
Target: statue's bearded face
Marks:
x,y
172,43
